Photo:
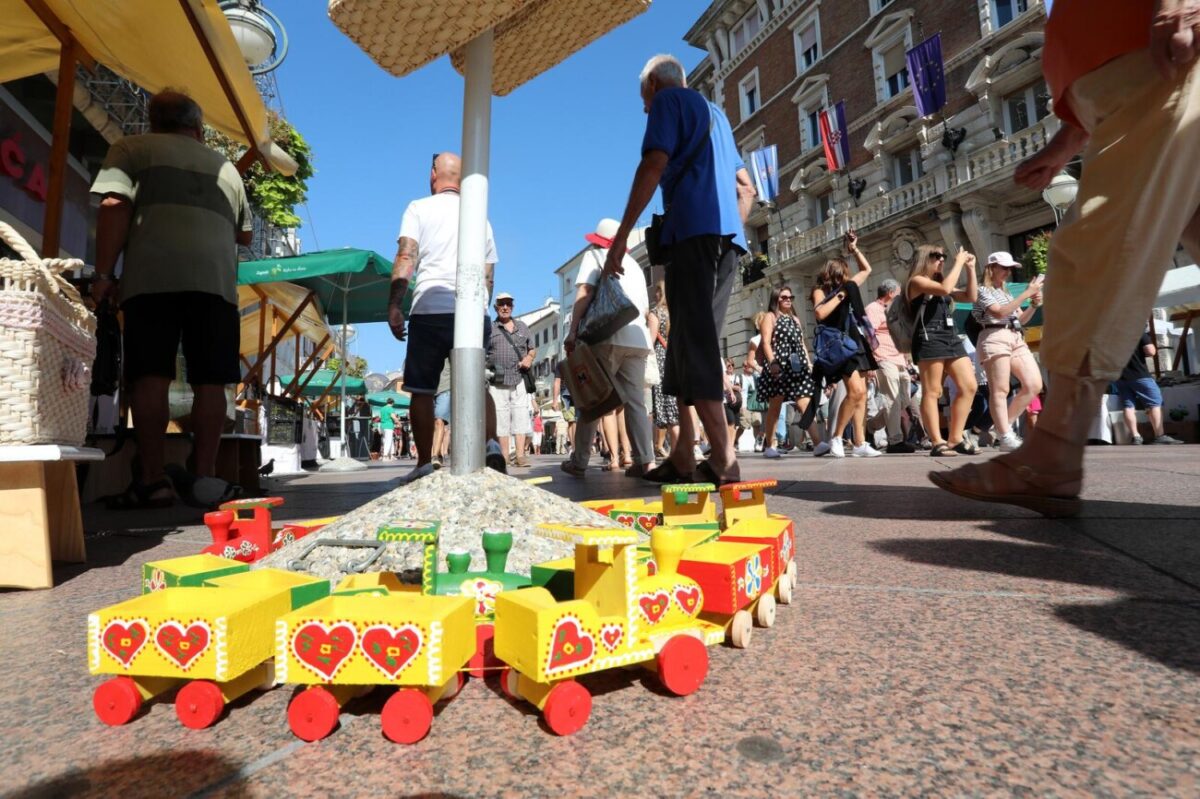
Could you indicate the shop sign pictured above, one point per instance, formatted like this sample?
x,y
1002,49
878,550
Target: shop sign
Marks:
x,y
15,164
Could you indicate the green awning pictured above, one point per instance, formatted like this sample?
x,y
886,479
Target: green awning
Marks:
x,y
380,398
963,309
321,380
363,276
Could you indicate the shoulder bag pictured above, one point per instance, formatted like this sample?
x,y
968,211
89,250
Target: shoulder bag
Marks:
x,y
530,386
657,252
834,346
609,311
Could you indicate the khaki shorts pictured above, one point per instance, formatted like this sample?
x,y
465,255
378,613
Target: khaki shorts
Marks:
x,y
1001,342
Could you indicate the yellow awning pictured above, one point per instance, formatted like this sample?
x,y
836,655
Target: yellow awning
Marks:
x,y
153,44
285,298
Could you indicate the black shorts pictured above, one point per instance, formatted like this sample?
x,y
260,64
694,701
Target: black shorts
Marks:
x,y
699,282
208,327
430,340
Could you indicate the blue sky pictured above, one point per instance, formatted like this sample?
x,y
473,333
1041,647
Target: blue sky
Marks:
x,y
564,145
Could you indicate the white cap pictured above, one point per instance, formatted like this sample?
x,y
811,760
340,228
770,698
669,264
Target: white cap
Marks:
x,y
1003,259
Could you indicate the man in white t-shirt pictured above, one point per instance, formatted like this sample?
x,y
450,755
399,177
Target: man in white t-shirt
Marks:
x,y
428,248
623,355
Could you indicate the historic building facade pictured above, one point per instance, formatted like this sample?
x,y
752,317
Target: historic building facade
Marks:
x,y
774,64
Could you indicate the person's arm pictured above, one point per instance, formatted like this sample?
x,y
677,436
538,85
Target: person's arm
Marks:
x,y
822,312
971,292
402,272
652,326
745,193
112,232
583,298
766,329
556,394
1149,350
645,181
864,266
1003,311
527,361
1038,170
946,286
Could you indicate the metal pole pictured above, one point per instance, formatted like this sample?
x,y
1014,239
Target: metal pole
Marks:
x,y
345,364
466,360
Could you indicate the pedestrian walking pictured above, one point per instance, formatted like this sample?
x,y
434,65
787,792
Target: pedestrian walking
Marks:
x,y
666,408
787,375
510,354
893,386
688,151
1136,387
387,424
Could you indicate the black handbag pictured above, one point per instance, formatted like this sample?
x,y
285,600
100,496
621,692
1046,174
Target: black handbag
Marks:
x,y
609,311
659,253
106,371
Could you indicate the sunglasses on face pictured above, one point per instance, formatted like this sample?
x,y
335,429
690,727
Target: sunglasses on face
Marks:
x,y
785,297
941,256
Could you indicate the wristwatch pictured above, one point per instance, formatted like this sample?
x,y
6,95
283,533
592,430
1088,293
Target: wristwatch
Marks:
x,y
105,277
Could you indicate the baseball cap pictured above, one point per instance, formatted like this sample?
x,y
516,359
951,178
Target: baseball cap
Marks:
x,y
1003,259
504,295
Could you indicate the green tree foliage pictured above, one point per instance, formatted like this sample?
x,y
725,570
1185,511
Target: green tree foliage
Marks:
x,y
1035,258
273,196
357,367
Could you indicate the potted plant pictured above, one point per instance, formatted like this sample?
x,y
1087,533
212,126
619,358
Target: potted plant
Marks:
x,y
1037,253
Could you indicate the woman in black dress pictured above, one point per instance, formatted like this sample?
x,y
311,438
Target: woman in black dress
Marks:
x,y
786,376
835,297
936,347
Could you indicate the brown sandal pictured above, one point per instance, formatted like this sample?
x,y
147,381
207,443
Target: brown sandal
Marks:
x,y
973,481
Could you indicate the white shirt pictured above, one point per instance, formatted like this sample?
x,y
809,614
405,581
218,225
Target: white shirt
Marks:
x,y
432,222
633,283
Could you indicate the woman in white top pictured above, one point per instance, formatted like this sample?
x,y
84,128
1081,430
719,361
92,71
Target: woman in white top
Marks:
x,y
1001,347
623,355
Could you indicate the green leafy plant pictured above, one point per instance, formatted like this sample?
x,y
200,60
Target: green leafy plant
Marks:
x,y
356,368
273,196
1178,413
1037,254
754,268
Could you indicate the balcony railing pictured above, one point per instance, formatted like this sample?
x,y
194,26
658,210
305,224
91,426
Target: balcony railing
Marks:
x,y
946,182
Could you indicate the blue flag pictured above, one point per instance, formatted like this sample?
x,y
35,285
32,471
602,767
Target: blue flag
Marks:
x,y
928,75
764,167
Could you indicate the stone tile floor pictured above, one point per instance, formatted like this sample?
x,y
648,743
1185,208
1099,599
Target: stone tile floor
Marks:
x,y
937,647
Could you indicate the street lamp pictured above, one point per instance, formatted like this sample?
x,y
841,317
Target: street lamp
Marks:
x,y
1060,194
259,34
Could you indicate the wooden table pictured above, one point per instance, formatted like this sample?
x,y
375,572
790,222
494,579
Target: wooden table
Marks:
x,y
39,512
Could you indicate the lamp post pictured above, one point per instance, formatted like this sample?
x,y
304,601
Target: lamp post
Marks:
x,y
259,34
1060,194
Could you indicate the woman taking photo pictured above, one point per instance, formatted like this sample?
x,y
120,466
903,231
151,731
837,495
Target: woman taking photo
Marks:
x,y
936,347
838,304
786,376
1001,348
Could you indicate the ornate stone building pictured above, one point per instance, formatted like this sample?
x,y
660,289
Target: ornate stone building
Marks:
x,y
773,64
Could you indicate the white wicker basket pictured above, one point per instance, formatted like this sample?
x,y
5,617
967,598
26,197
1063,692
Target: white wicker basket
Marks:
x,y
47,347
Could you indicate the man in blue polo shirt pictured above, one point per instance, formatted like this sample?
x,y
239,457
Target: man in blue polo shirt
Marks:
x,y
689,151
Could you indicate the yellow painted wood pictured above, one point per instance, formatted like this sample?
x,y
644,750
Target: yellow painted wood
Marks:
x,y
150,687
698,508
243,684
385,580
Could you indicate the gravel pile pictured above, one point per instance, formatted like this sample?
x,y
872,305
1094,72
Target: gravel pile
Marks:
x,y
465,505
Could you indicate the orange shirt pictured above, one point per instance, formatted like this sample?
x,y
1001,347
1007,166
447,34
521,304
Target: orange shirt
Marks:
x,y
1083,35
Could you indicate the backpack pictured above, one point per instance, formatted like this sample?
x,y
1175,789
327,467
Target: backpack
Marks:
x,y
902,322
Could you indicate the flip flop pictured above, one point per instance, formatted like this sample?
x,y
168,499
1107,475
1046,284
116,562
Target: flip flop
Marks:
x,y
705,473
972,482
666,472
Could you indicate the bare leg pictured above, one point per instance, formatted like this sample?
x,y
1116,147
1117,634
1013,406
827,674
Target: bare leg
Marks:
x,y
932,375
623,437
208,422
722,456
998,382
1030,377
521,453
854,407
420,414
774,405
151,412
1130,415
1156,422
963,374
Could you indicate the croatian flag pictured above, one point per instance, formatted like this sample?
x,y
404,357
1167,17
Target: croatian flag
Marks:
x,y
834,137
928,75
765,171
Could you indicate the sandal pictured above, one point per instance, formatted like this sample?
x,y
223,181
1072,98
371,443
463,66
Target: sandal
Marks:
x,y
138,496
705,473
667,473
943,450
974,481
965,447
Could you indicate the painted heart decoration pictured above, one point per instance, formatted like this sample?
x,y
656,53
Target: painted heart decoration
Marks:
x,y
124,639
651,568
653,606
390,649
570,646
648,522
611,635
688,598
182,645
624,519
324,648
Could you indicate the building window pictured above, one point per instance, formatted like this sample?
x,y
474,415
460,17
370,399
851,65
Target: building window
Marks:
x,y
1026,107
556,332
748,91
810,127
808,43
743,32
1005,11
889,40
824,206
895,70
906,166
879,5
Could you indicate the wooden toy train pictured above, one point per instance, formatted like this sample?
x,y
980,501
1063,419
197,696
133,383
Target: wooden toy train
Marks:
x,y
211,630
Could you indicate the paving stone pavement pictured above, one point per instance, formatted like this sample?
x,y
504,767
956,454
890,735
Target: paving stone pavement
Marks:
x,y
936,647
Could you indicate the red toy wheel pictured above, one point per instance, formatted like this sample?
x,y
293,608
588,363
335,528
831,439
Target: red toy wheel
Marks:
x,y
313,714
567,708
117,701
683,665
407,716
199,704
460,681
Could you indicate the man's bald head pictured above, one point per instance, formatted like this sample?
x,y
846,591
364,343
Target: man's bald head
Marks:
x,y
446,172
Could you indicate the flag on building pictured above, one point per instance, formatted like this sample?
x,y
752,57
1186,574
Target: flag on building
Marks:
x,y
764,167
928,75
834,136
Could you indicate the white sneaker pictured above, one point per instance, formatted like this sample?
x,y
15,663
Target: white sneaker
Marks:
x,y
1009,442
418,472
821,449
865,451
771,452
837,449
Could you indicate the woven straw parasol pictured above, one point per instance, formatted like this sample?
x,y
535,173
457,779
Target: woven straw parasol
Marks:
x,y
531,36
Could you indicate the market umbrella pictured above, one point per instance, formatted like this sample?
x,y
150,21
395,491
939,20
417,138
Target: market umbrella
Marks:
x,y
380,398
497,45
323,380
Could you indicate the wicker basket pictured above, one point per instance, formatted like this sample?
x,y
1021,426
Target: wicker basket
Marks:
x,y
47,347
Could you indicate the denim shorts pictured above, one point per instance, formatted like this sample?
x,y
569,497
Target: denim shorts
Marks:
x,y
1143,391
441,407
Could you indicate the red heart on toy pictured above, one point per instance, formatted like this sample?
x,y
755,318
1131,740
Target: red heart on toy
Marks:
x,y
124,639
570,647
611,636
324,649
654,605
648,522
179,645
390,649
625,520
688,598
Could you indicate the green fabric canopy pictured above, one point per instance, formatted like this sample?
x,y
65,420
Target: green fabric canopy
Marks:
x,y
380,398
363,276
321,380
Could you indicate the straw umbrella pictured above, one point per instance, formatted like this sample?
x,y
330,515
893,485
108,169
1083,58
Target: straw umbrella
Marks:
x,y
497,45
